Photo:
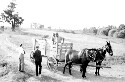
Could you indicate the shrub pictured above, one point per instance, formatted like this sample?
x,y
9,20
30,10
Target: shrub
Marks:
x,y
121,27
85,30
115,34
98,32
111,32
49,28
93,30
45,36
71,31
41,26
104,31
65,31
121,34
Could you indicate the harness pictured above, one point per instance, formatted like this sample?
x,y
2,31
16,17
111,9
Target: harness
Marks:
x,y
86,53
101,53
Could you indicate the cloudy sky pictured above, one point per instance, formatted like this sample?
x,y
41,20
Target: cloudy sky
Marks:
x,y
70,14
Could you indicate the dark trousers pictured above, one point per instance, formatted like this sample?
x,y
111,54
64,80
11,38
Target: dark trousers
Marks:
x,y
38,64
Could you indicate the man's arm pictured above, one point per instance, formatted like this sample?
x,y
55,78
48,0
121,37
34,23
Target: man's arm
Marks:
x,y
41,56
34,54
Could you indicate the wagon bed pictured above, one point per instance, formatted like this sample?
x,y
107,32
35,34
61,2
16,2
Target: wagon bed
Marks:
x,y
57,53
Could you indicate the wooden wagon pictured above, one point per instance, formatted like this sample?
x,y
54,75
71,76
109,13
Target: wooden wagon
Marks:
x,y
53,52
57,55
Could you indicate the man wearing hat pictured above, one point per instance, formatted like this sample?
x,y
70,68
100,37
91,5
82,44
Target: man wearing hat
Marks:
x,y
38,59
21,58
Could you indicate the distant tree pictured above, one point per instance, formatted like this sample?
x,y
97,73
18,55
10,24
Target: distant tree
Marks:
x,y
111,27
93,30
104,30
41,26
9,15
34,25
111,32
85,30
121,34
121,27
49,28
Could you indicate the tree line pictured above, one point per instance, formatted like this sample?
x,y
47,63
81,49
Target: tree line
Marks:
x,y
112,31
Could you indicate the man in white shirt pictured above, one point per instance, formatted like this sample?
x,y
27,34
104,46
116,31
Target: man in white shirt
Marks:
x,y
21,58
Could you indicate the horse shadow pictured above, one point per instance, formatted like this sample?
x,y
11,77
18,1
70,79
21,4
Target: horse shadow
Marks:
x,y
89,76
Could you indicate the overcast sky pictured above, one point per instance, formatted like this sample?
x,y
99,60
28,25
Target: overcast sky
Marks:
x,y
70,14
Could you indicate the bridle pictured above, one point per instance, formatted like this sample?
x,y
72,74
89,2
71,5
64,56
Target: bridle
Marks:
x,y
104,48
109,49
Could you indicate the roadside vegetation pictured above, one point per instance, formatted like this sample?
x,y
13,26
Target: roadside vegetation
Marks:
x,y
111,31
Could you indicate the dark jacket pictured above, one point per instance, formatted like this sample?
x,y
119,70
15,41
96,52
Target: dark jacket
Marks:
x,y
37,56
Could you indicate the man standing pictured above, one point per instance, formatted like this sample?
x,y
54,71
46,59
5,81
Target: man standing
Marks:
x,y
53,38
21,58
38,59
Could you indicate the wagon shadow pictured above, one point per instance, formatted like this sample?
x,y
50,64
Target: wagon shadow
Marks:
x,y
90,77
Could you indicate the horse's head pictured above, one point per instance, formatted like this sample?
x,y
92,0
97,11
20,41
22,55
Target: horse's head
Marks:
x,y
109,48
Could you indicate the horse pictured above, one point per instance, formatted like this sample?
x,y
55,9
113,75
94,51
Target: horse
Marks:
x,y
83,57
87,55
100,56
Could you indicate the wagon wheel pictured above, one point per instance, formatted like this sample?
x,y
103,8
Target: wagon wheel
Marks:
x,y
31,57
52,63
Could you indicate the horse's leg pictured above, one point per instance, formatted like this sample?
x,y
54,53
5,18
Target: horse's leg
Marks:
x,y
70,66
97,68
96,71
57,62
99,64
84,66
65,68
81,68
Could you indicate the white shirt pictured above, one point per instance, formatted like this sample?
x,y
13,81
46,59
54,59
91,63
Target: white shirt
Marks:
x,y
20,50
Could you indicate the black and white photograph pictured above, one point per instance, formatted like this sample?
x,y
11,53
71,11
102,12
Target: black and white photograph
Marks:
x,y
62,41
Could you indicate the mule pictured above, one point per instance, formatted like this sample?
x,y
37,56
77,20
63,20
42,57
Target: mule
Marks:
x,y
87,55
100,56
83,58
